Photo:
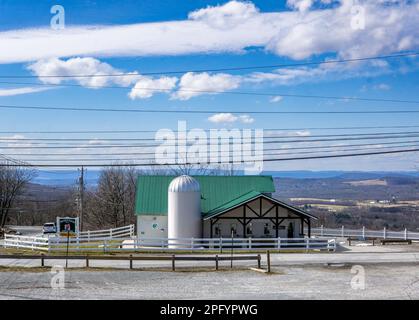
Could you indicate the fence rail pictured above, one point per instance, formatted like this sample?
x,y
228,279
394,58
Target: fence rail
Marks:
x,y
107,245
121,232
173,258
364,233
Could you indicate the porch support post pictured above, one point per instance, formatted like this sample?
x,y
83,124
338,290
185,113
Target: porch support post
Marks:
x,y
309,227
244,222
302,226
276,222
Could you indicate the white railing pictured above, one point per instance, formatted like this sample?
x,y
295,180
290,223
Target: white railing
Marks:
x,y
179,244
364,233
115,233
24,242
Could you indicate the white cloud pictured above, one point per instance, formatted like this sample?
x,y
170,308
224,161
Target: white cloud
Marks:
x,y
80,66
226,16
382,86
301,5
275,99
193,84
246,119
232,27
19,91
145,87
223,118
230,118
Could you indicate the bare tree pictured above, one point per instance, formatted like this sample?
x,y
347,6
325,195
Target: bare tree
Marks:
x,y
112,203
13,181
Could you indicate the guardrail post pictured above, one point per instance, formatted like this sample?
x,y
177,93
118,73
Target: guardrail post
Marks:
x,y
110,233
87,261
216,262
384,233
130,261
221,245
173,262
278,243
42,260
250,242
192,244
268,260
363,232
321,231
343,231
307,244
405,233
88,235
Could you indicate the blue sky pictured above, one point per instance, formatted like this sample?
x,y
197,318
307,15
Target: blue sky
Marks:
x,y
150,36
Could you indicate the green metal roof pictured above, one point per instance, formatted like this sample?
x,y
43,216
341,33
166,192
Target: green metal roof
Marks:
x,y
216,191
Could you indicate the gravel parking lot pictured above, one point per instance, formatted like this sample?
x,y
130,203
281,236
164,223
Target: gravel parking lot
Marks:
x,y
296,282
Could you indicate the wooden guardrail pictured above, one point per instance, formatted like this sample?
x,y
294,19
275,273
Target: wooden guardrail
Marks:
x,y
173,258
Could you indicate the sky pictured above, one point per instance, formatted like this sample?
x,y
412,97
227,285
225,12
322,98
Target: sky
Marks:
x,y
142,37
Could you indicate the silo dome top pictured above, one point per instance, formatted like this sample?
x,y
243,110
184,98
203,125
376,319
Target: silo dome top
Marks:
x,y
184,183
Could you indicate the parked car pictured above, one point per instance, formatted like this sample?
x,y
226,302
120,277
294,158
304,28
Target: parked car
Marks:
x,y
49,228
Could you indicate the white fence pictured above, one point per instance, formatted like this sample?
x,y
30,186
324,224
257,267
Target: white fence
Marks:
x,y
22,242
364,233
122,232
57,244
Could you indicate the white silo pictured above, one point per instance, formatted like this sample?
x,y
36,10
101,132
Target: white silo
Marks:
x,y
184,210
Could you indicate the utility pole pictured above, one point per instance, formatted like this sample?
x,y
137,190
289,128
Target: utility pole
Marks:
x,y
81,198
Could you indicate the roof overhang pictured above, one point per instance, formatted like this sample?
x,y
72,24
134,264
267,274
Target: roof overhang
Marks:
x,y
282,204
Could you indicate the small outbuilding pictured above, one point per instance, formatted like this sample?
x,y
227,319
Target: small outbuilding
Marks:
x,y
242,205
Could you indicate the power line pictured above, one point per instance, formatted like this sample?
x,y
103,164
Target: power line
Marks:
x,y
204,111
206,130
266,94
144,145
273,66
230,151
78,160
221,162
14,140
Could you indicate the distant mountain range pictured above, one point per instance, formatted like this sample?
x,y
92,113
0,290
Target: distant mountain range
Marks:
x,y
67,177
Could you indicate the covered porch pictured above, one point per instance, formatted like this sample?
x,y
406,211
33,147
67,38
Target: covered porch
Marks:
x,y
257,215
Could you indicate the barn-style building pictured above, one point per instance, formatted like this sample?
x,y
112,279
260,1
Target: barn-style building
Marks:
x,y
242,205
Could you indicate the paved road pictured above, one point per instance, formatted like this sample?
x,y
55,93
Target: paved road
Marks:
x,y
27,230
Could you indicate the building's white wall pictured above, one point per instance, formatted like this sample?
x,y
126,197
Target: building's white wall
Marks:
x,y
145,224
152,226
